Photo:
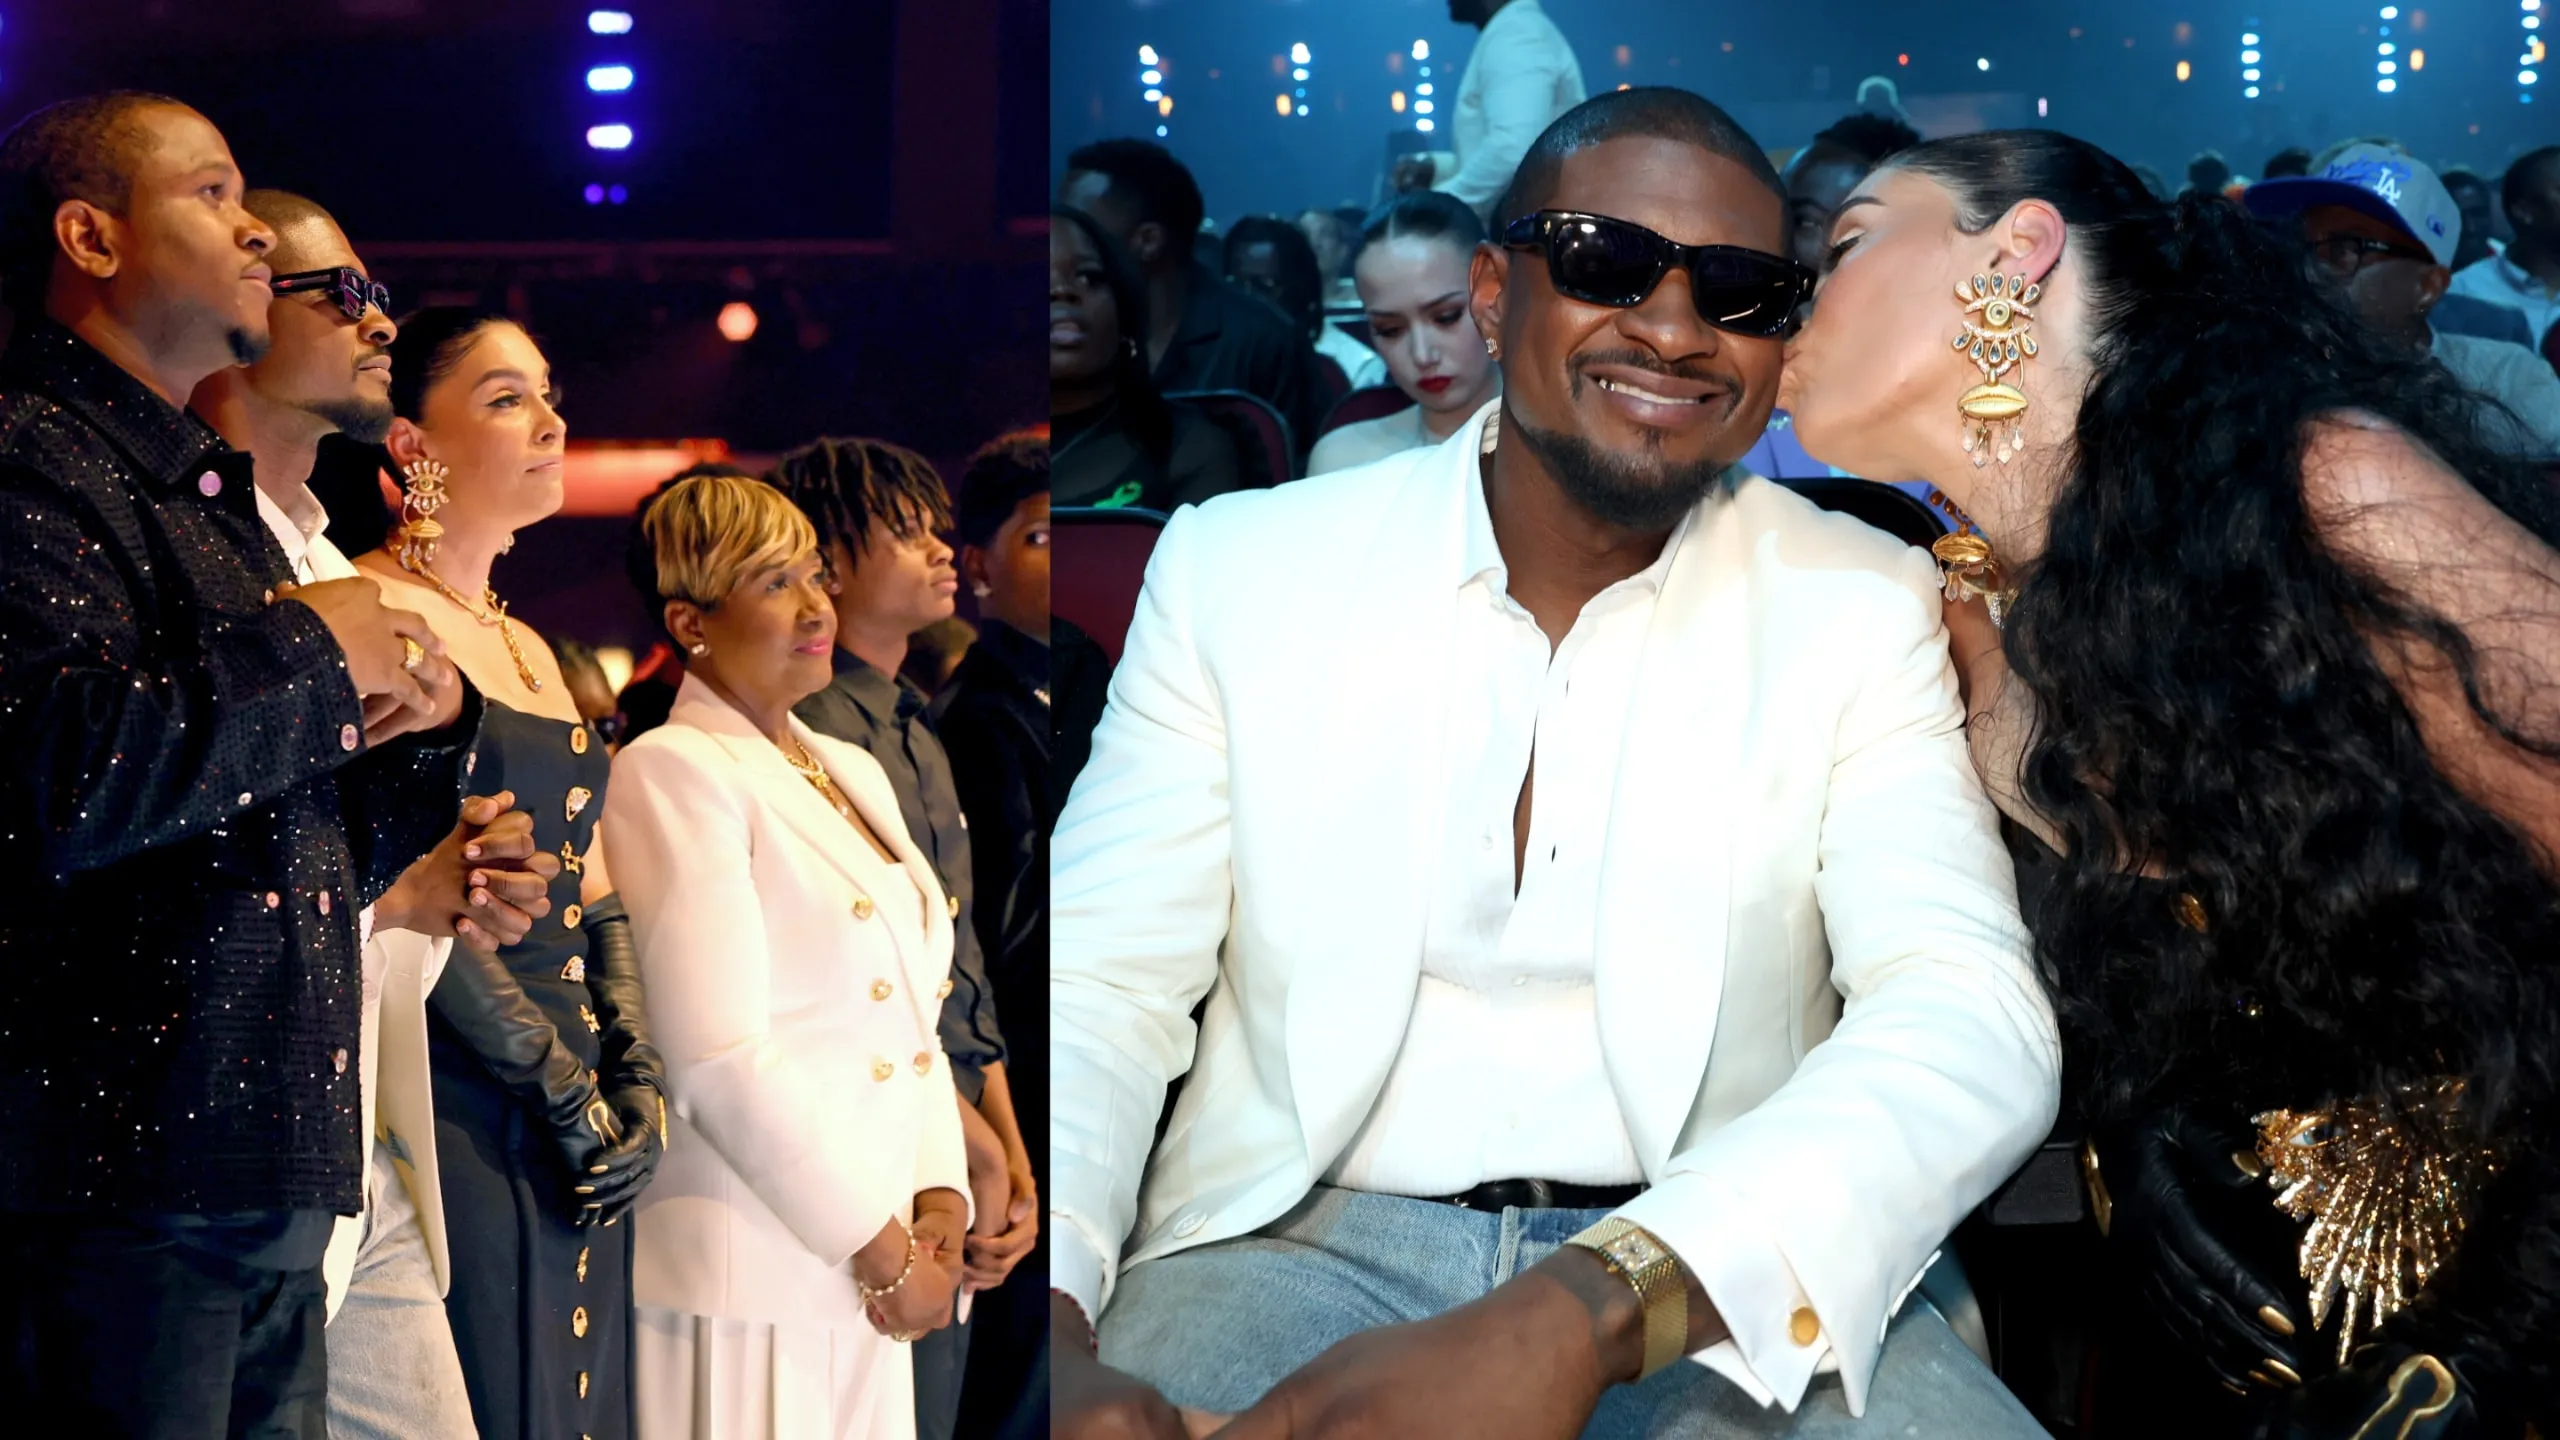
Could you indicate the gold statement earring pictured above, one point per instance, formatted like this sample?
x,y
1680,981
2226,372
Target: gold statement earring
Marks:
x,y
1965,559
422,494
1995,338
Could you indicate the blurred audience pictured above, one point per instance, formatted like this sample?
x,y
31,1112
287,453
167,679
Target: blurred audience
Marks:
x,y
2526,278
1823,173
2288,162
2478,201
1201,334
1272,258
1411,271
2381,228
1520,77
1119,442
2208,174
1333,239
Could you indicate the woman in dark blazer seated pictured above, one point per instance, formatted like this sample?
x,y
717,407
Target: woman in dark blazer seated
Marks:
x,y
1119,442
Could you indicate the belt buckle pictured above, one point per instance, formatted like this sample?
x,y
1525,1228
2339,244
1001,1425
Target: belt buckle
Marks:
x,y
1542,1195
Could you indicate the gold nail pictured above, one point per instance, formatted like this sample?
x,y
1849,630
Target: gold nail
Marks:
x,y
2263,1378
2249,1166
600,1169
2275,1319
2282,1371
586,1189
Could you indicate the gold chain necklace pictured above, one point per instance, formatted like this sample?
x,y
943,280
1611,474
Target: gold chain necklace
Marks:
x,y
495,614
816,774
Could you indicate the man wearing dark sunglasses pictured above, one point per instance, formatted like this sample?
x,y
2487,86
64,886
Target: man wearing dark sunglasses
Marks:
x,y
393,1371
1525,1103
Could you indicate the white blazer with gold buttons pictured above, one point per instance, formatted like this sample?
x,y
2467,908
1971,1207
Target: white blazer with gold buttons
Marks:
x,y
1815,1001
796,1010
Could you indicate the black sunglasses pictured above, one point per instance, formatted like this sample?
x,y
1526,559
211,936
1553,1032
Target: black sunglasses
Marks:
x,y
1601,261
354,293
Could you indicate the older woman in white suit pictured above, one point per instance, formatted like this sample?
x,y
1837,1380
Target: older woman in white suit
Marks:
x,y
809,1215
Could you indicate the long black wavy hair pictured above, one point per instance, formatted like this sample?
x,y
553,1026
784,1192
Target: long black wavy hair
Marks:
x,y
2209,709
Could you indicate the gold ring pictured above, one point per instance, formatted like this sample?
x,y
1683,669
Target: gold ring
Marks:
x,y
412,654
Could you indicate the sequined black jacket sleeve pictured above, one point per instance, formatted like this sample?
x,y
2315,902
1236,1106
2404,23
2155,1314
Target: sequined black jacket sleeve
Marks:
x,y
401,799
125,740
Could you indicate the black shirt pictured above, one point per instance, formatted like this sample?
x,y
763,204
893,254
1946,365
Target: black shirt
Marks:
x,y
1229,340
190,821
884,715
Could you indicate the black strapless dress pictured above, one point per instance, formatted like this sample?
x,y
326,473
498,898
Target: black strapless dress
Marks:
x,y
541,1309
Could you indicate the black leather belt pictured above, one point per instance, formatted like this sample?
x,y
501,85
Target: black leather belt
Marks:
x,y
1540,1195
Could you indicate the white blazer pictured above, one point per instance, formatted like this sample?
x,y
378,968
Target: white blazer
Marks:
x,y
1521,77
398,1093
810,1096
1813,987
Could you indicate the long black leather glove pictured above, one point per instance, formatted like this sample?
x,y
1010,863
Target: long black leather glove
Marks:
x,y
2182,1189
480,999
2388,1391
634,1079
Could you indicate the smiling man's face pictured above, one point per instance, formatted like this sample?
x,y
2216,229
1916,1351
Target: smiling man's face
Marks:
x,y
1637,410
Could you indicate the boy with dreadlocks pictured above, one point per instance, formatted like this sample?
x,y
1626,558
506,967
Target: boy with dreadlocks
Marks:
x,y
880,512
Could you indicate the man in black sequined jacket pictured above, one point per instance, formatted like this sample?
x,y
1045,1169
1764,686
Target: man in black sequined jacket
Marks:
x,y
211,774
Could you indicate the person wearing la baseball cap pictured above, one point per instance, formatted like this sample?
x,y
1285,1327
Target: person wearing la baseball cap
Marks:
x,y
2383,229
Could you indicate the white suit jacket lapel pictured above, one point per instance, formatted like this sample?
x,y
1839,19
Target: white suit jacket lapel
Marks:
x,y
1377,776
789,796
1666,882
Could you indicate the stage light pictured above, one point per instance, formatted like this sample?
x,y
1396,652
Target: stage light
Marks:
x,y
609,137
2251,93
1299,74
738,322
1164,104
2248,57
2386,86
2386,68
2385,48
1395,102
1422,125
2417,60
1146,55
1153,96
1286,108
2390,12
1162,132
1302,110
2248,39
2533,22
2040,110
2249,75
2249,60
1901,59
1422,89
609,22
1421,107
2183,71
595,194
1421,49
2526,77
608,78
1981,64
617,195
1298,53
1150,77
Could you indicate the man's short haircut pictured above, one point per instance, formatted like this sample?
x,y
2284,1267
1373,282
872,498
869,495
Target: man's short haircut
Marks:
x,y
82,149
1872,138
842,485
1153,183
282,210
712,531
2287,163
1005,472
2208,171
2521,175
1651,111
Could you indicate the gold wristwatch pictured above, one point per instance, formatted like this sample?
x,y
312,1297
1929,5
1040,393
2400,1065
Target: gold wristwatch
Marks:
x,y
1648,1265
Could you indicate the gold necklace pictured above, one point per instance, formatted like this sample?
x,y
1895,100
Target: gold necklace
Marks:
x,y
816,774
496,615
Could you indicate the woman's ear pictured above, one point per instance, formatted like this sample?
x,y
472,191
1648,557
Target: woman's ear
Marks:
x,y
2031,239
406,442
684,622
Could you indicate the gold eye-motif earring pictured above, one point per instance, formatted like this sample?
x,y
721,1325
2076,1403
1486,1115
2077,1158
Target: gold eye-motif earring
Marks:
x,y
1998,309
422,494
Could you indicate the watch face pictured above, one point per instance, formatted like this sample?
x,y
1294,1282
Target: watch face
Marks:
x,y
1637,1251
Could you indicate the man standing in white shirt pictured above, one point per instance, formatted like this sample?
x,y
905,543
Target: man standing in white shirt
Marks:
x,y
1644,980
1520,78
393,1370
2527,277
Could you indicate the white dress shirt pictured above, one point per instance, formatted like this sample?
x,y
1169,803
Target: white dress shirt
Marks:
x,y
1520,78
1362,366
1500,1076
2501,281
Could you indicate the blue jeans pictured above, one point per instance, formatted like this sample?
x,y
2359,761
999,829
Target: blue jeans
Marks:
x,y
1218,1326
393,1371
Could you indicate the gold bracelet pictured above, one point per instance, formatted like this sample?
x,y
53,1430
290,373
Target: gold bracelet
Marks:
x,y
1649,1267
868,1294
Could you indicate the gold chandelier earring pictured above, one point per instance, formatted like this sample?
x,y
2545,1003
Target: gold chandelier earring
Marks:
x,y
1964,557
422,494
1997,311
